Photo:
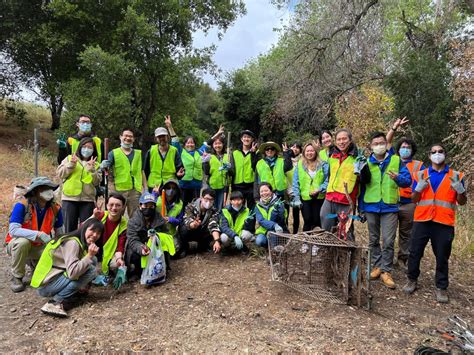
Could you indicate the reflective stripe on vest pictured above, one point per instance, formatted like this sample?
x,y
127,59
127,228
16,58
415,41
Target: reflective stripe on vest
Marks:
x,y
266,215
307,183
74,143
239,222
45,263
72,186
275,177
217,179
111,244
174,212
192,166
166,242
340,174
127,176
439,206
413,167
243,168
161,171
382,187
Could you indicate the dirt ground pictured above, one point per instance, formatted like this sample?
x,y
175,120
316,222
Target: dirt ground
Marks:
x,y
226,304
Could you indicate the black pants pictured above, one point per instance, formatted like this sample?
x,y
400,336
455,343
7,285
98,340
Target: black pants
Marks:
x,y
200,235
248,196
189,195
296,219
441,237
311,213
75,212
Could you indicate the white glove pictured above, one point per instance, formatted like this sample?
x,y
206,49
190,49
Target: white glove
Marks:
x,y
45,238
422,184
246,235
105,164
238,243
456,185
278,229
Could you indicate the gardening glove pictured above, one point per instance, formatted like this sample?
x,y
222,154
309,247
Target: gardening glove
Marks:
x,y
121,277
422,184
205,157
246,235
359,164
225,167
238,243
61,143
45,238
456,185
101,280
278,229
105,164
296,202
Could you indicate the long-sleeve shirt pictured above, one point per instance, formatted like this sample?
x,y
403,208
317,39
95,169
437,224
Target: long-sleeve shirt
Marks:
x,y
137,230
322,187
287,166
209,218
249,224
277,217
254,159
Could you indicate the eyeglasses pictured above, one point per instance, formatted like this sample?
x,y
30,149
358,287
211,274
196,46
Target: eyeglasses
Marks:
x,y
210,199
438,151
270,148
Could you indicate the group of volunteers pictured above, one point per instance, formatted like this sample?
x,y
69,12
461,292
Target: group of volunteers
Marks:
x,y
211,198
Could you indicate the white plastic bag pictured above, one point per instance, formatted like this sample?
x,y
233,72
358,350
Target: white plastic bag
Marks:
x,y
154,272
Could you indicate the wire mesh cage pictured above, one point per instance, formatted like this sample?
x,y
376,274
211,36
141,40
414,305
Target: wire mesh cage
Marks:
x,y
322,266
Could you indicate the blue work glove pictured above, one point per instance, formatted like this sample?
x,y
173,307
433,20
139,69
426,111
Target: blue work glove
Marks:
x,y
225,167
101,280
238,243
296,202
359,164
121,277
278,229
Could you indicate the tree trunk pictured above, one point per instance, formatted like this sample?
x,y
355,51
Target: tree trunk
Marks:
x,y
56,108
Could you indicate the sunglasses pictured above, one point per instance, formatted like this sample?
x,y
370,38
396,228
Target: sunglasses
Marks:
x,y
438,151
270,148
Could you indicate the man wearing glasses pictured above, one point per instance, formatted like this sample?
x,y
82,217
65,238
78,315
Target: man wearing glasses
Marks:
x,y
437,190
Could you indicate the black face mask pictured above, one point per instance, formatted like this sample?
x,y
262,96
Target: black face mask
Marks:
x,y
148,212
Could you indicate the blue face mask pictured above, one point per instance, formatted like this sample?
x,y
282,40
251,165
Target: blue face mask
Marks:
x,y
85,127
86,152
405,153
126,145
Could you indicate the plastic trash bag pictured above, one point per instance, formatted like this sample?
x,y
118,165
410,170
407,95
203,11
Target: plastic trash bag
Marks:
x,y
154,272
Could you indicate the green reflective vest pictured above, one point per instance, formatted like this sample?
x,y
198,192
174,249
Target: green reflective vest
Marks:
x,y
340,174
192,166
127,176
238,226
45,263
217,179
383,187
323,154
111,244
161,170
308,184
174,212
243,168
72,186
74,143
275,177
265,214
167,244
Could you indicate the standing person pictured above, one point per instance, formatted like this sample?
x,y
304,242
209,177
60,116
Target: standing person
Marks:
x,y
242,167
32,222
81,175
325,140
126,165
295,154
174,208
201,224
342,173
217,170
380,204
270,215
162,161
67,266
437,191
310,181
84,129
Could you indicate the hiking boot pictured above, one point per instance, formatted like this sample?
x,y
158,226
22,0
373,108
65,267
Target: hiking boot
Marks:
x,y
54,309
375,273
17,285
442,295
410,287
387,279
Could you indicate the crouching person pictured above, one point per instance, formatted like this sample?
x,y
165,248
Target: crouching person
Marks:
x,y
270,214
66,266
32,222
144,219
237,224
201,224
173,209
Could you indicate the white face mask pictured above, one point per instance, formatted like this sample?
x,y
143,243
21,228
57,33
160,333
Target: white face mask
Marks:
x,y
379,149
206,204
438,158
47,195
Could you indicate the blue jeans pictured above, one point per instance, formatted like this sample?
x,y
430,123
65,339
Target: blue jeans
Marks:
x,y
63,287
219,200
261,240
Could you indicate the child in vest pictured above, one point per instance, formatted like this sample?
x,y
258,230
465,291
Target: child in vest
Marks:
x,y
237,223
66,266
32,222
270,214
174,208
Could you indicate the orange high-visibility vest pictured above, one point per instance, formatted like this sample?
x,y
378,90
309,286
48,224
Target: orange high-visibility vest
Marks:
x,y
413,167
439,206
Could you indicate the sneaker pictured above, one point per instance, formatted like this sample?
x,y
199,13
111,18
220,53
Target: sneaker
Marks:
x,y
387,279
375,273
54,309
410,287
17,284
442,295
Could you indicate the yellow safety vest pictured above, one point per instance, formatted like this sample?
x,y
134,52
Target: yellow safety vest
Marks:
x,y
217,179
275,177
239,222
383,187
167,244
243,168
74,143
72,186
340,174
111,245
161,170
174,212
308,184
127,176
192,165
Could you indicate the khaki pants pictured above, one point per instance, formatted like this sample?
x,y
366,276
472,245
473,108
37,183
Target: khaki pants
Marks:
x,y
132,197
405,225
22,250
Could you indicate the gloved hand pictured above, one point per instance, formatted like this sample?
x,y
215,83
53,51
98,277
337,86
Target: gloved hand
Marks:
x,y
278,229
101,280
359,164
456,185
246,235
238,243
296,202
61,143
205,157
225,167
121,277
45,238
105,164
422,184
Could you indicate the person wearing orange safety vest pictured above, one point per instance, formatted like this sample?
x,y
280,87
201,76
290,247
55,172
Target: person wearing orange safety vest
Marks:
x,y
437,190
32,224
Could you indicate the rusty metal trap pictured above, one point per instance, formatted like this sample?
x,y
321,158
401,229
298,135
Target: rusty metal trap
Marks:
x,y
320,265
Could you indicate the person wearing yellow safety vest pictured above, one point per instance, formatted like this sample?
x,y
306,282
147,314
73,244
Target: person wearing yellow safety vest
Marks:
x,y
243,161
217,170
325,140
437,191
270,214
81,175
84,129
237,223
137,249
125,164
162,161
380,200
174,208
67,266
310,180
295,155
